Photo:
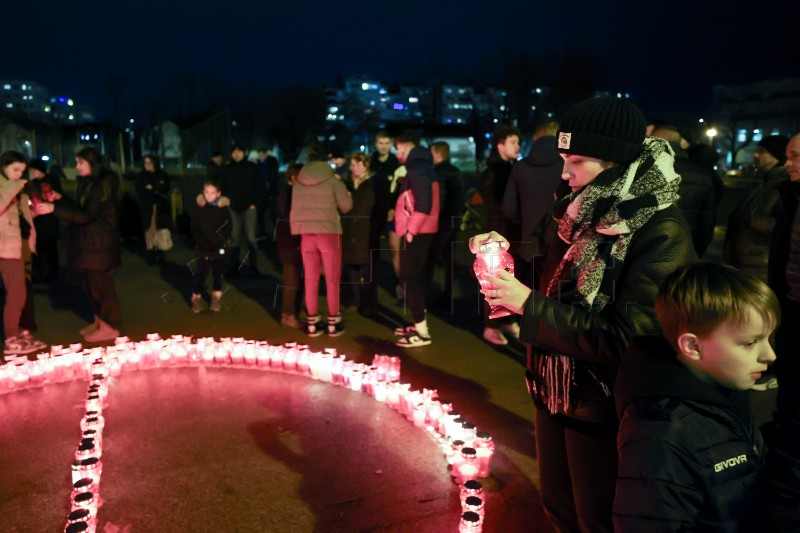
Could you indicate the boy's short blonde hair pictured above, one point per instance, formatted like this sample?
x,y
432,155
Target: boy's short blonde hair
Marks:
x,y
698,298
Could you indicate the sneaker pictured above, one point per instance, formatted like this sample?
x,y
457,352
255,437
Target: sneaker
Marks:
x,y
216,305
106,332
18,346
767,382
197,304
289,321
33,341
335,326
402,331
512,330
494,336
314,326
413,340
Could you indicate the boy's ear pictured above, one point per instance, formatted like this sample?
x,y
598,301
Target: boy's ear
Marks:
x,y
690,347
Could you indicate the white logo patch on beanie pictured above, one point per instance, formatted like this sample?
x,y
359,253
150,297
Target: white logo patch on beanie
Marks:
x,y
564,140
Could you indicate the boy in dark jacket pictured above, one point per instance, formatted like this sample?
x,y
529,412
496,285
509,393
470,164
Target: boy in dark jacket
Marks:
x,y
211,229
690,456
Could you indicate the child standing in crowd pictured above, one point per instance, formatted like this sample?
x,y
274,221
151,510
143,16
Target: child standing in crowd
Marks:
x,y
14,210
211,229
690,456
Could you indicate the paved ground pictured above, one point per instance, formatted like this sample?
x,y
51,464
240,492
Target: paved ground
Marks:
x,y
236,450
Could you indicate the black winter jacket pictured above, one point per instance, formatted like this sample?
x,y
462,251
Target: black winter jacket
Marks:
x,y
211,229
597,341
530,196
356,223
697,201
239,183
689,453
158,196
789,192
493,186
94,238
451,191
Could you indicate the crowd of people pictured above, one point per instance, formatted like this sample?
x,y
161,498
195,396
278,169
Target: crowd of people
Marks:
x,y
639,355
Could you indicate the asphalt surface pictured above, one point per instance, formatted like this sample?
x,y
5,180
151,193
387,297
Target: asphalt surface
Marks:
x,y
223,449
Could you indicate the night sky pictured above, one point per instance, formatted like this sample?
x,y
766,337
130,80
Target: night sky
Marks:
x,y
668,55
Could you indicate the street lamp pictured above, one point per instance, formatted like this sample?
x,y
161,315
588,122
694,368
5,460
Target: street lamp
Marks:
x,y
711,133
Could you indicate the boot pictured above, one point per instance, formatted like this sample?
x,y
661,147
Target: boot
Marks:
x,y
104,333
197,303
94,326
216,304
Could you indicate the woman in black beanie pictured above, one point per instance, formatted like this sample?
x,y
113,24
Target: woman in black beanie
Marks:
x,y
620,235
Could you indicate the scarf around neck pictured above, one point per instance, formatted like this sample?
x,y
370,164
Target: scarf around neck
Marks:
x,y
598,222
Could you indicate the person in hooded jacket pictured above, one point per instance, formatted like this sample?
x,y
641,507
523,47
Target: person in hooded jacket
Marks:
x,y
416,218
619,235
318,198
94,239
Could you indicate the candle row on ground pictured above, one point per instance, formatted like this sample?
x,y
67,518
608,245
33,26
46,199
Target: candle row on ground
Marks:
x,y
87,466
467,451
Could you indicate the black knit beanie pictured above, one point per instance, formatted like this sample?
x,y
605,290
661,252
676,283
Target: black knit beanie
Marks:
x,y
611,129
776,146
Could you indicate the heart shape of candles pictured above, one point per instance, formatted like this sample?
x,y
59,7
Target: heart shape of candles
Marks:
x,y
468,453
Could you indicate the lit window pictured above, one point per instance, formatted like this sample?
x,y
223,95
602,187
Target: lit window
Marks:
x,y
364,86
413,99
69,102
7,87
538,90
47,109
333,109
757,135
502,108
9,105
72,117
741,136
24,87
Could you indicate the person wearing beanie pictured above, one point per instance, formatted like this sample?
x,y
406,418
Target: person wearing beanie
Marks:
x,y
620,235
771,152
751,223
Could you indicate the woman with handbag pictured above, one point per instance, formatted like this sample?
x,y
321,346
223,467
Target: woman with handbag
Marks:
x,y
94,239
620,235
153,189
